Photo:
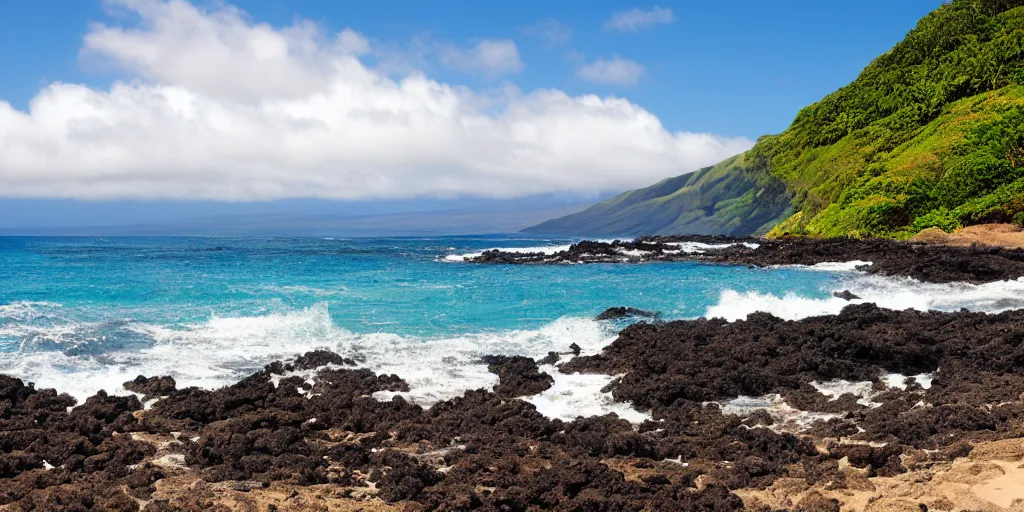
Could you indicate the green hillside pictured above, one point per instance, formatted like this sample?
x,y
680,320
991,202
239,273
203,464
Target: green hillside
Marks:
x,y
930,134
732,198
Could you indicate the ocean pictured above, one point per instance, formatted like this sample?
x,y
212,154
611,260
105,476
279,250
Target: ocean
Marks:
x,y
84,314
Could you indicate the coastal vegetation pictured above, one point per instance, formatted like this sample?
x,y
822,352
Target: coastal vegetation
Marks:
x,y
931,134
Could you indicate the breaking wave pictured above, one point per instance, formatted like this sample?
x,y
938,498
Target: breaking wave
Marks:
x,y
39,343
886,292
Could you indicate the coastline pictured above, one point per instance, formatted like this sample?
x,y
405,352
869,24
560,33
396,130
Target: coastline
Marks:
x,y
928,262
847,429
870,409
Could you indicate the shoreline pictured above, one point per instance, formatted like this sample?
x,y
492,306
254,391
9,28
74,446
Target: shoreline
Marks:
x,y
922,261
306,434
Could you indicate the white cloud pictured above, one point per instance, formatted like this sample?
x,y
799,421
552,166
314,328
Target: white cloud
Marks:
x,y
487,57
350,41
550,31
219,52
223,108
617,71
637,19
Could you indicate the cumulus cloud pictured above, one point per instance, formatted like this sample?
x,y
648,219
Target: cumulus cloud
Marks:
x,y
551,32
637,19
486,57
220,107
350,41
616,71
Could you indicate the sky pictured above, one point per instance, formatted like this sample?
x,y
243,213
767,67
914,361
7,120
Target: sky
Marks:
x,y
157,106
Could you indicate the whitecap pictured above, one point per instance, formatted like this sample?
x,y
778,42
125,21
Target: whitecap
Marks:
x,y
23,310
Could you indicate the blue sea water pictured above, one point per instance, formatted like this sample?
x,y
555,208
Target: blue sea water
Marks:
x,y
82,314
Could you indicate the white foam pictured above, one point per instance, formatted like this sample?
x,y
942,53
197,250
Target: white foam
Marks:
x,y
898,380
864,390
839,266
438,369
733,305
906,293
575,395
786,418
839,387
544,249
699,247
222,350
23,310
687,247
633,253
887,292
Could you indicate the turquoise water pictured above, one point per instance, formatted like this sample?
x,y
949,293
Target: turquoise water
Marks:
x,y
397,285
88,313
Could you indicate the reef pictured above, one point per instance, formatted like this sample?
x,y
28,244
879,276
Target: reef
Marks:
x,y
835,427
925,262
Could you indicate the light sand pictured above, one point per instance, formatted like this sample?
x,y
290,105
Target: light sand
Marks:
x,y
1001,235
991,478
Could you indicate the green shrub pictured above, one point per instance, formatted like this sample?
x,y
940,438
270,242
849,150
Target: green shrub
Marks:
x,y
941,218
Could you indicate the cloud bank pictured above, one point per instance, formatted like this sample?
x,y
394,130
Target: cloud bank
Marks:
x,y
221,107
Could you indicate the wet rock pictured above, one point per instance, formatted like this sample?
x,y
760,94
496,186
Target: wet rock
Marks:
x,y
845,295
319,358
551,358
618,313
518,376
151,387
711,359
931,263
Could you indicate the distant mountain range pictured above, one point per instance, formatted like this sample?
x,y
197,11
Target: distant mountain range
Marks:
x,y
931,134
499,217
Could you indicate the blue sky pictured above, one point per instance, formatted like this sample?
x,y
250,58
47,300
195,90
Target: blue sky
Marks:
x,y
729,70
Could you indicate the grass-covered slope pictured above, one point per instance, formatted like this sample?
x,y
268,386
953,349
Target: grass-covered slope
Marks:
x,y
930,134
731,197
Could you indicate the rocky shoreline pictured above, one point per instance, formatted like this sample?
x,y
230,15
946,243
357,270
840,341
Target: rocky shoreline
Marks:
x,y
925,262
854,410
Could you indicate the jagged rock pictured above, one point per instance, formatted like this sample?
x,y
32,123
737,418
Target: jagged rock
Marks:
x,y
620,312
931,263
151,387
518,376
